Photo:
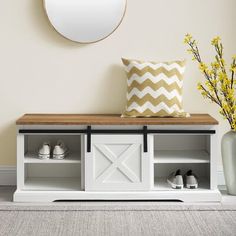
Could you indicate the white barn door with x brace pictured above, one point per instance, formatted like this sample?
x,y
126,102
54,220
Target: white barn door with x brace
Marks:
x,y
118,163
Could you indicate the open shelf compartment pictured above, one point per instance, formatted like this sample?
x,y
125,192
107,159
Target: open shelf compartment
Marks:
x,y
184,152
50,174
33,142
51,177
162,171
181,148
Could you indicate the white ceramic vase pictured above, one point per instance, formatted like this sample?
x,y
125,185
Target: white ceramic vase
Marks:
x,y
228,151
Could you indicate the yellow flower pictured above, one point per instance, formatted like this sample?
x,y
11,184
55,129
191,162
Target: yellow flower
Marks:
x,y
222,113
215,41
227,81
225,106
214,82
234,57
234,125
233,68
204,94
187,38
222,61
222,76
230,95
215,65
210,72
202,67
199,86
209,86
189,51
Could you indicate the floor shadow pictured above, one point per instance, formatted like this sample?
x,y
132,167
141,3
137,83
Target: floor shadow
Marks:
x,y
6,193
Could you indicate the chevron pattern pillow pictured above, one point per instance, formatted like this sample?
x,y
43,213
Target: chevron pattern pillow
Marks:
x,y
154,89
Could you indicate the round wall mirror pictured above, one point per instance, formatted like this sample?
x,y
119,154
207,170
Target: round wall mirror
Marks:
x,y
85,21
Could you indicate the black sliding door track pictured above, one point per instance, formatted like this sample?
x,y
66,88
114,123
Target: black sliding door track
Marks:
x,y
113,131
89,131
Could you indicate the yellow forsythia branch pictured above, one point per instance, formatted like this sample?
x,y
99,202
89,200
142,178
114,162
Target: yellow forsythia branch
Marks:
x,y
218,86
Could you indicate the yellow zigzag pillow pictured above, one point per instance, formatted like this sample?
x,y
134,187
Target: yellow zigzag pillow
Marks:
x,y
154,89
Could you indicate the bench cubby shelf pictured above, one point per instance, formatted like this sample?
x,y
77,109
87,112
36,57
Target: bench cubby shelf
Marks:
x,y
113,158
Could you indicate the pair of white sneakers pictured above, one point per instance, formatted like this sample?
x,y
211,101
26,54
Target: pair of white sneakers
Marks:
x,y
177,181
59,151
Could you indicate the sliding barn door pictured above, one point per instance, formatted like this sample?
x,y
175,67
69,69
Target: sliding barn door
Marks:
x,y
117,163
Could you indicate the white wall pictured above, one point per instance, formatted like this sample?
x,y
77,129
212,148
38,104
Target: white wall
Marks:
x,y
40,71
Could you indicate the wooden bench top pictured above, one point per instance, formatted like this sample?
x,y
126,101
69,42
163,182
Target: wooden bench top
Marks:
x,y
92,119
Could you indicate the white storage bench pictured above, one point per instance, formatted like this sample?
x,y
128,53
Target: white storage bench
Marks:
x,y
114,158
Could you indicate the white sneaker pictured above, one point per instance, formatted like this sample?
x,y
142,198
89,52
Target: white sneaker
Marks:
x,y
44,151
60,150
191,180
175,180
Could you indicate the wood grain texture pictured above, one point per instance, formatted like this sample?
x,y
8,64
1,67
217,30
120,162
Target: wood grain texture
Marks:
x,y
111,119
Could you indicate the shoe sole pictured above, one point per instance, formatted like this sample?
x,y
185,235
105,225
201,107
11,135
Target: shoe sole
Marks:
x,y
43,156
192,186
175,186
59,156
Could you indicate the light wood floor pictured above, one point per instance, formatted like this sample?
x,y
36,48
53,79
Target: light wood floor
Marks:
x,y
6,193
